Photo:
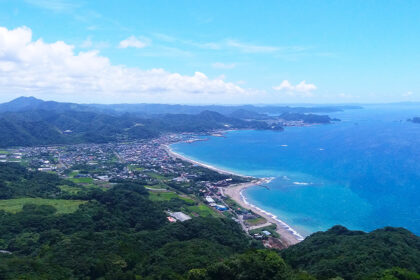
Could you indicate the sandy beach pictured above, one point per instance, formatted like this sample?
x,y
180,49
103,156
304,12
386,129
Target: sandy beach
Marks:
x,y
221,171
288,235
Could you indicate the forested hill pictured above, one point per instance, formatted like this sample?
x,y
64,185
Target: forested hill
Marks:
x,y
32,103
27,121
50,232
355,254
43,127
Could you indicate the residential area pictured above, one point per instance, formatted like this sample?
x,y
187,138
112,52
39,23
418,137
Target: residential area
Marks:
x,y
166,177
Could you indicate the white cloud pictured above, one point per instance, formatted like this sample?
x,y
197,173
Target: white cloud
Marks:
x,y
37,67
220,65
301,89
304,87
133,42
285,85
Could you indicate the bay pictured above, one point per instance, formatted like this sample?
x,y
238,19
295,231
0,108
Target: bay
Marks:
x,y
362,172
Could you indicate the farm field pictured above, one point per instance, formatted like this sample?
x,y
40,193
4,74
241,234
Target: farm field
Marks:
x,y
63,206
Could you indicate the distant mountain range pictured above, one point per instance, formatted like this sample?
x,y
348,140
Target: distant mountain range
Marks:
x,y
28,121
32,103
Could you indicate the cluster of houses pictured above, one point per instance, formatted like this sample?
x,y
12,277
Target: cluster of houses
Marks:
x,y
133,160
264,234
11,157
211,202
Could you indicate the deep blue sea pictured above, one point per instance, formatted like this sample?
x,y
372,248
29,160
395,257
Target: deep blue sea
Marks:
x,y
362,172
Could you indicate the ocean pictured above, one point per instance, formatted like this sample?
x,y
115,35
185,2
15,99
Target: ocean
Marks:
x,y
362,172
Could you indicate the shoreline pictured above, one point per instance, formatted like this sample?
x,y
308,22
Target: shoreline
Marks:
x,y
174,154
288,235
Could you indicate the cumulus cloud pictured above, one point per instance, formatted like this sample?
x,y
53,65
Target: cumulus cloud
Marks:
x,y
30,66
133,42
302,88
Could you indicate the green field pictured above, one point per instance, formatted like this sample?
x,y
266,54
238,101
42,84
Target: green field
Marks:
x,y
256,221
135,168
73,173
157,187
63,206
100,185
164,196
156,176
3,152
202,210
69,189
83,180
187,199
161,196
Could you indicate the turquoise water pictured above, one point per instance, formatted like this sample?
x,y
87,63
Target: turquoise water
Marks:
x,y
363,172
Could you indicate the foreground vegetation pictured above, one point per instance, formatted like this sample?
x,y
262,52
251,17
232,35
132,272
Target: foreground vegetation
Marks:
x,y
122,233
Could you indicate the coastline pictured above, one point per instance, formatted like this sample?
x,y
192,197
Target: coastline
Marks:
x,y
288,235
184,158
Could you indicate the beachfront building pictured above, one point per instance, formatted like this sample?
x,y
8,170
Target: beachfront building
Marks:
x,y
266,233
220,207
209,199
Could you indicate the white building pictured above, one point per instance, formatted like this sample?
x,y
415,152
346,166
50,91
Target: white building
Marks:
x,y
179,216
209,199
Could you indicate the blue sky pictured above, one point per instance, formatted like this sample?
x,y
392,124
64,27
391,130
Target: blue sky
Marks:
x,y
211,51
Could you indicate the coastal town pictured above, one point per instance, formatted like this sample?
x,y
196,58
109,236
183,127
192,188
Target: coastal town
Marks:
x,y
206,191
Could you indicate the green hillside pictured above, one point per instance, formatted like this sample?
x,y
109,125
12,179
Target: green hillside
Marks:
x,y
49,233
